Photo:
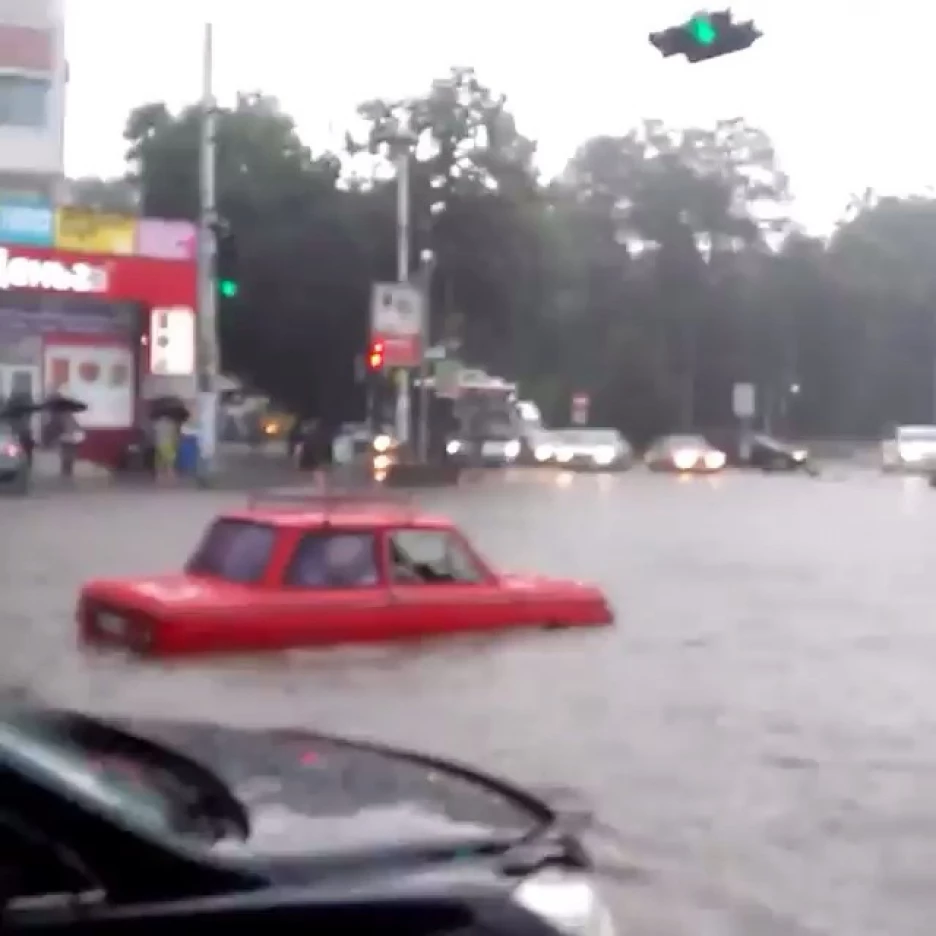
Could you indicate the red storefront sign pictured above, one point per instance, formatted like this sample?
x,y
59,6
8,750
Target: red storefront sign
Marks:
x,y
118,279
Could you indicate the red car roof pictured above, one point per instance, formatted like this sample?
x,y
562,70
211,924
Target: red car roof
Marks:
x,y
341,519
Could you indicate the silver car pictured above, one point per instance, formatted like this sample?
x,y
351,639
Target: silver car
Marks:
x,y
911,448
594,449
14,469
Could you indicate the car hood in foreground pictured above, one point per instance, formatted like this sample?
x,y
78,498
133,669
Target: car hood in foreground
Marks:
x,y
309,795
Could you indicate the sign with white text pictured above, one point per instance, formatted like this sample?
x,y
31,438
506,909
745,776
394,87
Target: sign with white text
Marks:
x,y
398,319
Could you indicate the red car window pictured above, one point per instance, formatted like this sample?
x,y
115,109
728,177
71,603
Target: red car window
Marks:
x,y
431,557
334,560
234,550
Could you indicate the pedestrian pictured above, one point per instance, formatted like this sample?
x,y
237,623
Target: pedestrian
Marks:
x,y
166,442
70,437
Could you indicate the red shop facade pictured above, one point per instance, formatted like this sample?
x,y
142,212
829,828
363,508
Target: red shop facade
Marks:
x,y
79,325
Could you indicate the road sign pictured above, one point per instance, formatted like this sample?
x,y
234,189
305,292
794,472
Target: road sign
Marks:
x,y
743,400
448,379
398,317
580,403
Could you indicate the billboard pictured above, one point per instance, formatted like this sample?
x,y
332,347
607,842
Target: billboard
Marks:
x,y
166,240
92,232
22,223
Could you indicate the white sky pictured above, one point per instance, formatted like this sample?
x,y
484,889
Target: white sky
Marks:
x,y
844,96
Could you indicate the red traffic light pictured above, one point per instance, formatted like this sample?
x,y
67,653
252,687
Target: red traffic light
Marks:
x,y
375,358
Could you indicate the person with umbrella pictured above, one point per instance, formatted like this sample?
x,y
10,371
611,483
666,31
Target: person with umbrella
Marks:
x,y
19,411
65,428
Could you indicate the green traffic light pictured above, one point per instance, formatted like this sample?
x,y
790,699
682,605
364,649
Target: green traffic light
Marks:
x,y
702,30
228,288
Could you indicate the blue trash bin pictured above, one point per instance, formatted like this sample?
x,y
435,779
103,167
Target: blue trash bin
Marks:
x,y
187,455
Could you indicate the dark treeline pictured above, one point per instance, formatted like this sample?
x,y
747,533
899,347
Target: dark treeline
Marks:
x,y
659,269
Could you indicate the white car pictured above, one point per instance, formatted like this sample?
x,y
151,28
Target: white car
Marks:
x,y
594,449
912,448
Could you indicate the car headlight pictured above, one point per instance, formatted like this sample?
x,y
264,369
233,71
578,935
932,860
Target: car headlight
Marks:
x,y
566,900
453,447
800,455
714,460
381,462
543,453
512,449
382,443
564,455
684,461
604,456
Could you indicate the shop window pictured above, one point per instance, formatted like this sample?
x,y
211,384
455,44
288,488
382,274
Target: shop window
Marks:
x,y
24,101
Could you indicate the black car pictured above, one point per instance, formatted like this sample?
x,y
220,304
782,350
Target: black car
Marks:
x,y
771,454
105,828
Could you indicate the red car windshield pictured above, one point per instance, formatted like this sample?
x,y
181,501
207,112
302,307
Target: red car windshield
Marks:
x,y
234,550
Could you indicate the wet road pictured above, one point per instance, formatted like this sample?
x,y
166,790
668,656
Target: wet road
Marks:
x,y
761,726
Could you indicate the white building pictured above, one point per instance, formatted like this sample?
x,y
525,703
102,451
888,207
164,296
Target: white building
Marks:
x,y
33,78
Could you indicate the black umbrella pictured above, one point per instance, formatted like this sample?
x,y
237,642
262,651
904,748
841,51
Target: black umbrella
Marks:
x,y
59,403
169,408
18,408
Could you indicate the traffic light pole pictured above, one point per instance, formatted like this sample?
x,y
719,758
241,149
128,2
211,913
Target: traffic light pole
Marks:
x,y
403,265
208,352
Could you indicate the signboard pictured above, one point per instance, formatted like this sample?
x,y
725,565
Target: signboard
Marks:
x,y
397,319
166,240
26,224
743,400
18,272
580,403
93,232
448,379
172,342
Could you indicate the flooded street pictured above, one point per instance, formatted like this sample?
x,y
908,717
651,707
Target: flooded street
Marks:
x,y
760,726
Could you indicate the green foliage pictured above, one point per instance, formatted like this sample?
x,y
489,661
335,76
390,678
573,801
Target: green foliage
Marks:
x,y
657,270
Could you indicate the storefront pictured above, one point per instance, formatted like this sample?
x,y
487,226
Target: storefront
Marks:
x,y
81,324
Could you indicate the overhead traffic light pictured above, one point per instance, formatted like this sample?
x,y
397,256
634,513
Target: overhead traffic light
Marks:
x,y
706,36
375,356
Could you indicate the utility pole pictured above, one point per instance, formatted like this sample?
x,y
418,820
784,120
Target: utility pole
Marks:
x,y
403,406
208,356
427,262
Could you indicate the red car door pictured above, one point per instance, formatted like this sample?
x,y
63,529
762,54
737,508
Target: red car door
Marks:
x,y
437,586
332,592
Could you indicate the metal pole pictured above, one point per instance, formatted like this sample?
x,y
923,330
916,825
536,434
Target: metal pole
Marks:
x,y
426,271
208,344
403,265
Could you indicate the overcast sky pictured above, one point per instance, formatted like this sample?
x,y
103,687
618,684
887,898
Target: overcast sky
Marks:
x,y
845,96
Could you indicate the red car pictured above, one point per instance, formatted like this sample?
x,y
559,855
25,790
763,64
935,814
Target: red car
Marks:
x,y
299,570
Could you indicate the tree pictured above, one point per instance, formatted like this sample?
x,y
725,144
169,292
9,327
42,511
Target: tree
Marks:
x,y
304,266
659,269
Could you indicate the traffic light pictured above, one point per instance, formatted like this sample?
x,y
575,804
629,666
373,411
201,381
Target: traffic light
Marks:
x,y
375,357
226,262
706,36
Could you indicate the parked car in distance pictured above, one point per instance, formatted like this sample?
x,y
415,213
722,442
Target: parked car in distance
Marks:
x,y
685,454
588,449
294,569
121,827
910,448
14,465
